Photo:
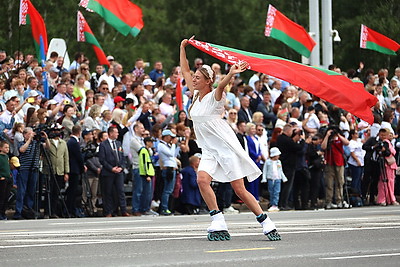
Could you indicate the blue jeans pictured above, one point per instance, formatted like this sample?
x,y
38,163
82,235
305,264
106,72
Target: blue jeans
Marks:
x,y
356,174
274,188
26,183
169,185
141,193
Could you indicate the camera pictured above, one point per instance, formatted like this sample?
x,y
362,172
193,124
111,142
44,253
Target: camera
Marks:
x,y
89,151
296,132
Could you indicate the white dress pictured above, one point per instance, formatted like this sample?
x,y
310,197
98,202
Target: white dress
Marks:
x,y
223,158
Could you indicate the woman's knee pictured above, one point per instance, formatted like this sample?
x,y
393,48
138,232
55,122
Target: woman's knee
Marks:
x,y
203,179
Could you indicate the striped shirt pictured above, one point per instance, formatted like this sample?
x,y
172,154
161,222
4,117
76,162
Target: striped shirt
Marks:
x,y
30,158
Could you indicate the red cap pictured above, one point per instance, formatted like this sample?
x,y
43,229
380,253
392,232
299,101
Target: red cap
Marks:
x,y
118,99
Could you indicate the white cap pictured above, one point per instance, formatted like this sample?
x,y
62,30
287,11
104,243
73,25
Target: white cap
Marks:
x,y
148,82
274,152
110,58
33,93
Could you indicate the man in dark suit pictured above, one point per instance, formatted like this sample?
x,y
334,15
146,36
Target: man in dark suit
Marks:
x,y
76,168
245,114
112,159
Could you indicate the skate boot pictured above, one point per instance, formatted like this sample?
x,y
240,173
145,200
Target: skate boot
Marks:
x,y
218,231
269,228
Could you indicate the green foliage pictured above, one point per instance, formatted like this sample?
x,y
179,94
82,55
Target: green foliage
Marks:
x,y
238,24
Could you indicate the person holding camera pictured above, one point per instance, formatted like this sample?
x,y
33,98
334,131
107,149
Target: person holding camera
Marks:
x,y
29,169
388,166
369,183
334,170
289,145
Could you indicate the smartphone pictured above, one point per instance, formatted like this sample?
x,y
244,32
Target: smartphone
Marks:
x,y
31,100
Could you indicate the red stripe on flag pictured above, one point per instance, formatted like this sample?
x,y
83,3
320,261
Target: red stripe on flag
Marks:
x,y
38,26
125,10
178,94
336,89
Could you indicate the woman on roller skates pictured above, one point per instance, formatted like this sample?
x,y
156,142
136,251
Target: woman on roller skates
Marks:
x,y
223,158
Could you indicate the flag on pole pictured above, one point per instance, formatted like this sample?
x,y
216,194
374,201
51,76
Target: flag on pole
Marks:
x,y
329,85
85,34
178,95
373,40
279,27
123,15
39,32
23,10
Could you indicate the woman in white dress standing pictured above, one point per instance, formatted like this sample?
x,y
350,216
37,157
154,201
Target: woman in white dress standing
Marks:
x,y
223,158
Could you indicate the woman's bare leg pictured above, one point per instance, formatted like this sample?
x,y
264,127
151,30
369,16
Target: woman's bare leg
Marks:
x,y
246,196
204,182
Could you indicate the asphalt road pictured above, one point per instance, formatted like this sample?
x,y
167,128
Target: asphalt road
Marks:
x,y
354,237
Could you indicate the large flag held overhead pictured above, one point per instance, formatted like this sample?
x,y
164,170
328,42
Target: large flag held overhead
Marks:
x,y
85,34
278,26
123,15
29,15
373,40
328,85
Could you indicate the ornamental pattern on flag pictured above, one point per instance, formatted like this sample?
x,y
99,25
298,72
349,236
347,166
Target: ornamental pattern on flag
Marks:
x,y
23,10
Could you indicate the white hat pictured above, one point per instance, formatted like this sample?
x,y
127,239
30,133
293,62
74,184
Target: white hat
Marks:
x,y
110,58
33,93
52,102
148,82
168,132
274,152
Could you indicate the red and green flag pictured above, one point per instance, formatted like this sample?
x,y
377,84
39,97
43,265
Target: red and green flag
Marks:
x,y
29,15
123,15
279,27
373,40
328,85
85,34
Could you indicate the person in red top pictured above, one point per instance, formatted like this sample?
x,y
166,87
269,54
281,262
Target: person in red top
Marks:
x,y
334,171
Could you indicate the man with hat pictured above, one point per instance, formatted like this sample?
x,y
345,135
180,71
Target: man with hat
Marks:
x,y
119,102
32,101
166,150
148,88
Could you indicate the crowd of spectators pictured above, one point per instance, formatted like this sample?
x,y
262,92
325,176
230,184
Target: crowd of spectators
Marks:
x,y
101,139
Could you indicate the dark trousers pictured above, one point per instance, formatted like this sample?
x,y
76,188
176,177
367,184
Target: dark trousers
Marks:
x,y
111,183
224,195
315,185
56,184
5,187
369,183
159,184
301,188
286,189
71,193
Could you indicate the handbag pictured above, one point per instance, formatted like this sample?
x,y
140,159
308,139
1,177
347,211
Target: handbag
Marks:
x,y
390,160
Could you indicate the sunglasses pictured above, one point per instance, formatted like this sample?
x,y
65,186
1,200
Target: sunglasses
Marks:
x,y
230,113
85,69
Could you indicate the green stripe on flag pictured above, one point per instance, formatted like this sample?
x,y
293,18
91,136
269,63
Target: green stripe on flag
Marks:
x,y
381,49
92,40
110,17
289,41
135,31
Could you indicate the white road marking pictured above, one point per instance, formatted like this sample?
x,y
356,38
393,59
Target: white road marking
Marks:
x,y
361,256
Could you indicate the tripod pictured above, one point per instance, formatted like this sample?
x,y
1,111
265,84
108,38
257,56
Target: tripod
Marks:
x,y
87,201
50,177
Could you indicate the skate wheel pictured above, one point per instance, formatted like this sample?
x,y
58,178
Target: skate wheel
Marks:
x,y
213,237
273,235
227,236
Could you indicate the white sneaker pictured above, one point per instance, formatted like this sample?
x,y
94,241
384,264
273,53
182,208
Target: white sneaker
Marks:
x,y
154,204
331,206
273,208
230,210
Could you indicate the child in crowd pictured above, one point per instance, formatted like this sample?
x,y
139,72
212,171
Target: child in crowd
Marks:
x,y
273,173
6,180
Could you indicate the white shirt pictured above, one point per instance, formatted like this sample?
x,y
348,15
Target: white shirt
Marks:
x,y
6,117
275,93
313,122
108,79
356,147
